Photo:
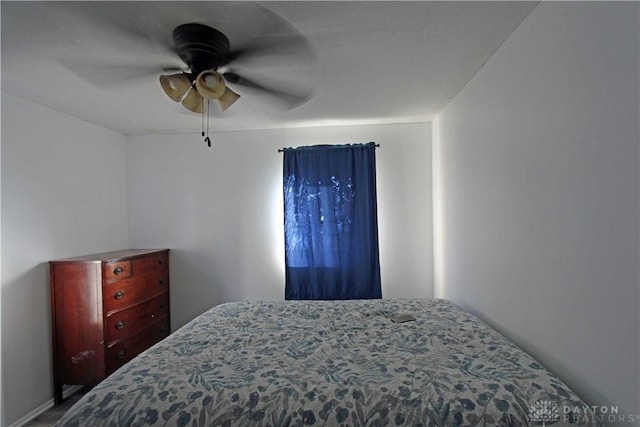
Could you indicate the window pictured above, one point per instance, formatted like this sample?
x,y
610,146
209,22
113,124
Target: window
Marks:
x,y
331,231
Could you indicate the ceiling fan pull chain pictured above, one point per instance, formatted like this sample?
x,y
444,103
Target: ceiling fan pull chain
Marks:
x,y
202,116
207,140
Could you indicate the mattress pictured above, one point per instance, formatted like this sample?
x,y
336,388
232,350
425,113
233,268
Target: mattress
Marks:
x,y
333,363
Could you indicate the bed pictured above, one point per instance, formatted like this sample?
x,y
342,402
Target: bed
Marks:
x,y
333,363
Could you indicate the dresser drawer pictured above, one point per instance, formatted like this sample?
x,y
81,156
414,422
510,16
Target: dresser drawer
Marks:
x,y
137,318
121,351
161,261
150,264
116,270
128,292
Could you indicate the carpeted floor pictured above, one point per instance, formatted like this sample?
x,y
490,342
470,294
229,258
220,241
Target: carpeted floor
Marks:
x,y
51,416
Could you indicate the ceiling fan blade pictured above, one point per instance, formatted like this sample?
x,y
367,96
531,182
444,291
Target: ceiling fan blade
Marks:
x,y
121,25
271,37
277,48
291,95
104,74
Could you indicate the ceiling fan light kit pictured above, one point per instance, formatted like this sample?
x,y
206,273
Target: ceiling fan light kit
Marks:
x,y
175,86
227,98
210,84
193,101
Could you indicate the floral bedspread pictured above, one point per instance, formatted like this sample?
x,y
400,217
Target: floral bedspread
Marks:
x,y
338,363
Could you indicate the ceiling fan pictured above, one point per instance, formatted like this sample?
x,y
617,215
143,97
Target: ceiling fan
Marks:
x,y
261,39
245,49
206,51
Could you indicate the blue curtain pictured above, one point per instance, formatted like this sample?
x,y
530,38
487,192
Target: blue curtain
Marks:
x,y
331,224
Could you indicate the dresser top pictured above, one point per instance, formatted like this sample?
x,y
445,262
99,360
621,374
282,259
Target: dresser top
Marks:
x,y
112,256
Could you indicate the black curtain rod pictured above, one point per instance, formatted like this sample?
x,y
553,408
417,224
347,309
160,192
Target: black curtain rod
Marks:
x,y
281,150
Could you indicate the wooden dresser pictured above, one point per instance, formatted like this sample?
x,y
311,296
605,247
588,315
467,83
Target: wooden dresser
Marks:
x,y
106,308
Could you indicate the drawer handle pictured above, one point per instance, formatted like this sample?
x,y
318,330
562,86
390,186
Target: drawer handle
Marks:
x,y
162,280
118,270
160,261
118,295
120,324
120,355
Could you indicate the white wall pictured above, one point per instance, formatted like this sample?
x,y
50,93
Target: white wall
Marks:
x,y
220,210
539,197
63,194
1,399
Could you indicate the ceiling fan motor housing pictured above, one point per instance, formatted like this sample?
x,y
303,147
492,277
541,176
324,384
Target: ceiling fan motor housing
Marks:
x,y
201,47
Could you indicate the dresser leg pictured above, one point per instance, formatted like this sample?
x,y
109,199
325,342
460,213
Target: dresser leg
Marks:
x,y
57,393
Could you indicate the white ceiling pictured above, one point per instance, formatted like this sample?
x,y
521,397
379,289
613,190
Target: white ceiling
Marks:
x,y
365,62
